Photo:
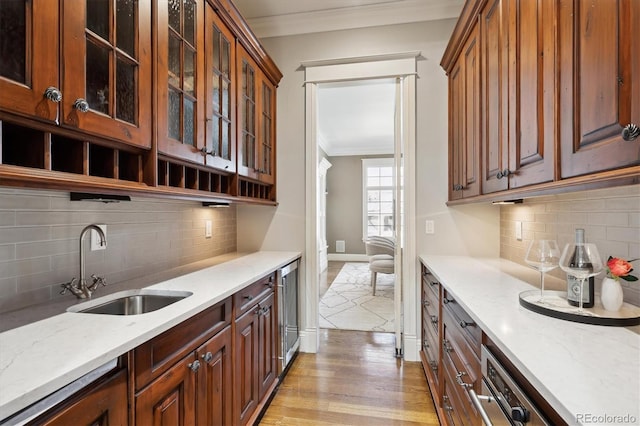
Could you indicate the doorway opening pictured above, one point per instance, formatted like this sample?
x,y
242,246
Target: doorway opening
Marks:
x,y
399,73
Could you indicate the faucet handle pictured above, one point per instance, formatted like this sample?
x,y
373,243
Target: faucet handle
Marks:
x,y
68,286
98,280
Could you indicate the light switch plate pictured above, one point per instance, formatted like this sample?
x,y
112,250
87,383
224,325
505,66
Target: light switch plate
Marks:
x,y
430,227
207,229
95,238
519,230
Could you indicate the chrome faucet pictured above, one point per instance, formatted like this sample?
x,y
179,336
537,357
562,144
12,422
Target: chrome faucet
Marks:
x,y
78,286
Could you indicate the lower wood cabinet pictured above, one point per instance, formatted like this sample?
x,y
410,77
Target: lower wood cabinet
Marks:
x,y
103,403
214,404
255,355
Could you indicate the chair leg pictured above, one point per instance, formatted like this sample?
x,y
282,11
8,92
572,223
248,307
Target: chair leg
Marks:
x,y
373,282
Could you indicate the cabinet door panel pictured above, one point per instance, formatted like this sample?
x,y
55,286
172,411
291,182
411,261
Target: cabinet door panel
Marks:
x,y
29,52
180,51
170,399
600,71
101,404
246,380
496,95
247,110
215,391
532,87
108,68
220,140
267,131
268,353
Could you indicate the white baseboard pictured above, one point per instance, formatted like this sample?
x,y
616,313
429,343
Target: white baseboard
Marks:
x,y
309,340
411,347
346,257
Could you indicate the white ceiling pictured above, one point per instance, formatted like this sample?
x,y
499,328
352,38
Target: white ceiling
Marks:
x,y
355,118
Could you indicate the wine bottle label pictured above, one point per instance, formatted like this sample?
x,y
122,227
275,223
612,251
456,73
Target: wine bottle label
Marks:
x,y
573,291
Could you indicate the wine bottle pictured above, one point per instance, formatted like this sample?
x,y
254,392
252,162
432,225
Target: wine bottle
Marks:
x,y
578,259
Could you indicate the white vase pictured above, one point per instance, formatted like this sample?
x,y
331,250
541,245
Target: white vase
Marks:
x,y
611,294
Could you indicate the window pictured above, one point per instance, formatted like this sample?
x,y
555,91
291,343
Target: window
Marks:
x,y
377,189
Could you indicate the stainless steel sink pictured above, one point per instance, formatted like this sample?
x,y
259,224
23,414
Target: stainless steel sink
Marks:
x,y
133,302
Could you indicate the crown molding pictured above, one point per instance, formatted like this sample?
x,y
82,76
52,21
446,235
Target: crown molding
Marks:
x,y
391,13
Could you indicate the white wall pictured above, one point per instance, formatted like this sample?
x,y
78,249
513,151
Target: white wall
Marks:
x,y
472,230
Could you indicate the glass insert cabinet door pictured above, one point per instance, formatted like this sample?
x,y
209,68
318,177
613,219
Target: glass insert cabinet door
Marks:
x,y
29,58
180,76
247,119
107,68
220,140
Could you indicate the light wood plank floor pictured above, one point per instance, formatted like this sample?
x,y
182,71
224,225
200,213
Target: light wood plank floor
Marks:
x,y
354,379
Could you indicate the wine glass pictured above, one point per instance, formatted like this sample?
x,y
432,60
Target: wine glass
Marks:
x,y
581,260
544,256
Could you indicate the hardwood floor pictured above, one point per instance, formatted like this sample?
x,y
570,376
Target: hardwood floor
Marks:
x,y
329,274
354,379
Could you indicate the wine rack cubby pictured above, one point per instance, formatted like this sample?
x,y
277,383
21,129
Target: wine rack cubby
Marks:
x,y
181,176
40,149
256,190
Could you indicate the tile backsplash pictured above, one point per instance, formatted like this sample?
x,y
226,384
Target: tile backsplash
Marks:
x,y
40,230
610,218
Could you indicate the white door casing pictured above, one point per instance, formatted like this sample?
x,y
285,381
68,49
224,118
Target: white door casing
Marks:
x,y
403,67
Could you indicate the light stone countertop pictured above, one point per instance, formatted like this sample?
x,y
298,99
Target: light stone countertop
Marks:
x,y
589,374
41,357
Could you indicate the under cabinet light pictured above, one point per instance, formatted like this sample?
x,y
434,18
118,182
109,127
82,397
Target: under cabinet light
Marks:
x,y
215,204
516,201
104,198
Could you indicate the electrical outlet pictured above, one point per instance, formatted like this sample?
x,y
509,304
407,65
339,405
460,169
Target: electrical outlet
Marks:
x,y
207,229
95,238
519,230
430,227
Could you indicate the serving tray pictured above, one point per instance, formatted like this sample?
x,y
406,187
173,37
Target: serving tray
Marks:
x,y
555,305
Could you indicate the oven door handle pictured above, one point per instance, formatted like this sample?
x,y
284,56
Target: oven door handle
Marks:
x,y
475,399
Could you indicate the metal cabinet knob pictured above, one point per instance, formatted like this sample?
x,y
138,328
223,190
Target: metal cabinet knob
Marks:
x,y
426,303
630,132
194,366
447,301
204,151
504,173
53,94
207,357
249,297
446,346
434,319
81,105
433,365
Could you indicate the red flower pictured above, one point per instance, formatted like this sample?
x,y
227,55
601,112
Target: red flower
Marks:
x,y
620,268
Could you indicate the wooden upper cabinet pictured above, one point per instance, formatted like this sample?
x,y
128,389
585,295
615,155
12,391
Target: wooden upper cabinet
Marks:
x,y
220,142
464,122
29,64
532,124
247,114
106,63
256,120
600,84
180,92
495,99
267,131
96,78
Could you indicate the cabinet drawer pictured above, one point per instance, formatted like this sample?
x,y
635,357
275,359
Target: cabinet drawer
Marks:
x,y
430,308
470,330
458,398
451,403
154,357
250,295
456,347
429,281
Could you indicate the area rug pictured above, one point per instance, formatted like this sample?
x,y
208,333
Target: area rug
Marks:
x,y
349,305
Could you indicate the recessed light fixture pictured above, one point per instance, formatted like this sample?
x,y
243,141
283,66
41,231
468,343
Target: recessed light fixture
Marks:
x,y
215,204
516,201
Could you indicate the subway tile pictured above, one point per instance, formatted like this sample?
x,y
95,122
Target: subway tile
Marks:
x,y
608,218
7,218
24,202
23,300
623,234
24,267
629,204
45,248
24,234
8,286
7,252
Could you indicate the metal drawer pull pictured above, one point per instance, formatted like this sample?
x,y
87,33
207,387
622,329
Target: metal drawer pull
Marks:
x,y
462,382
433,365
504,173
475,399
207,357
465,324
434,319
194,366
446,346
427,303
249,297
447,301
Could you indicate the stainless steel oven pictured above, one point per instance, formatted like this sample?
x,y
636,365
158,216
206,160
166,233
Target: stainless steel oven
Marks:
x,y
287,289
502,402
